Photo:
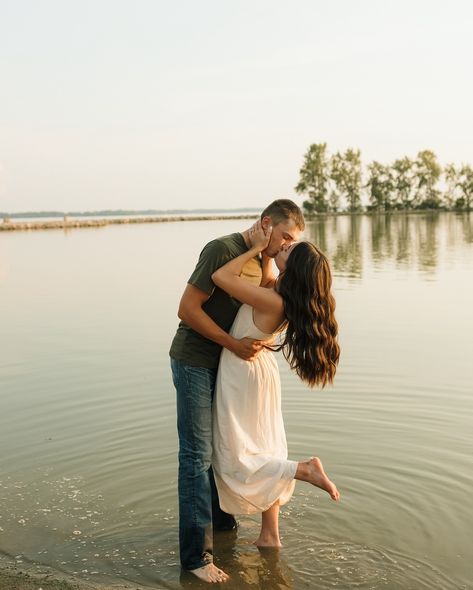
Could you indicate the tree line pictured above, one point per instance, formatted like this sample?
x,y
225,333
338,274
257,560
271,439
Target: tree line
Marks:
x,y
338,182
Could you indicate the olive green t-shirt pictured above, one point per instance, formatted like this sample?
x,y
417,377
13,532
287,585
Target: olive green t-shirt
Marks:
x,y
188,345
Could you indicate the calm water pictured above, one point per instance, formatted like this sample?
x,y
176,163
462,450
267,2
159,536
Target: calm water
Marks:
x,y
88,443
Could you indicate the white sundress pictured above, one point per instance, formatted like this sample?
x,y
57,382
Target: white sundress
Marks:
x,y
249,441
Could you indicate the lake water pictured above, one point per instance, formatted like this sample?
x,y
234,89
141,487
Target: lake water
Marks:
x,y
88,444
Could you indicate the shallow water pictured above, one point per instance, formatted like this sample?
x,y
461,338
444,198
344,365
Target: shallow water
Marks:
x,y
88,463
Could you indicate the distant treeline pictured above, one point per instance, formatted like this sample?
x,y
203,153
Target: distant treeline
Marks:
x,y
122,212
338,182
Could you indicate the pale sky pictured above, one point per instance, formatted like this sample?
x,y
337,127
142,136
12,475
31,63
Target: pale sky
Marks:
x,y
108,104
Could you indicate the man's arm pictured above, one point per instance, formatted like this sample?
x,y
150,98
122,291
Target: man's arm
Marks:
x,y
191,312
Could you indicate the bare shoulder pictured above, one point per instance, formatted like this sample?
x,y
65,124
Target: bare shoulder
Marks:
x,y
268,317
274,300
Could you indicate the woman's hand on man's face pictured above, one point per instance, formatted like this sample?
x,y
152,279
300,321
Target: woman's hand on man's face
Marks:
x,y
259,238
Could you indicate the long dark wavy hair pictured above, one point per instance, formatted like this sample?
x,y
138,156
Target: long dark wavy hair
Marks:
x,y
310,340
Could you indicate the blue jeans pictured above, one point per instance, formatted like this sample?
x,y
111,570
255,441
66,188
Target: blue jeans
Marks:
x,y
198,499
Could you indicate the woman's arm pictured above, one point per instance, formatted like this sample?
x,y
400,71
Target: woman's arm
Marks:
x,y
227,277
268,279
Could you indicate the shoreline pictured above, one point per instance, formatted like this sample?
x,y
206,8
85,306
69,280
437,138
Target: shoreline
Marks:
x,y
72,223
12,578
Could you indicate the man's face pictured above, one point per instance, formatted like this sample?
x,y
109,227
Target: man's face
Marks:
x,y
283,235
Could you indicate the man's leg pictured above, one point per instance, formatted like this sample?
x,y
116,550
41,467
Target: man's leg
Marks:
x,y
194,387
222,521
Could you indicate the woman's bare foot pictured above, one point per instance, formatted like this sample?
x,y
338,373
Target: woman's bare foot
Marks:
x,y
268,541
210,573
313,472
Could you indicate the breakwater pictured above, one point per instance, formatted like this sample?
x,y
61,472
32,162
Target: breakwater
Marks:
x,y
70,223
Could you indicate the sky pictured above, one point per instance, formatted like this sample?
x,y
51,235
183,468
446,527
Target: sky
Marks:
x,y
150,104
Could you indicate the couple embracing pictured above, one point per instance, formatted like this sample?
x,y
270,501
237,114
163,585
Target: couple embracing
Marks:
x,y
234,312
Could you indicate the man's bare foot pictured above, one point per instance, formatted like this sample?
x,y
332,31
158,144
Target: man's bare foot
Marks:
x,y
313,472
268,541
210,573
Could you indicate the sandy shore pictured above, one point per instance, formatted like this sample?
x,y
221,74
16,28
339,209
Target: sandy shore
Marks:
x,y
13,579
78,222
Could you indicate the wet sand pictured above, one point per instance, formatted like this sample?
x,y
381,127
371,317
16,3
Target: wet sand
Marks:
x,y
13,579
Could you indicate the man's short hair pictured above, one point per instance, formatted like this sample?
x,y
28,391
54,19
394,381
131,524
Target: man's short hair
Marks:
x,y
282,210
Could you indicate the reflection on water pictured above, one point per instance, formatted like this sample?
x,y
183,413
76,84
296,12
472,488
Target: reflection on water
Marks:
x,y
88,438
249,567
406,240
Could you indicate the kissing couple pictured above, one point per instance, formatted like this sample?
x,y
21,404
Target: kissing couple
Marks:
x,y
234,313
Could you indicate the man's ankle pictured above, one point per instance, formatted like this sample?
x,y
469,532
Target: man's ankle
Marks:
x,y
225,523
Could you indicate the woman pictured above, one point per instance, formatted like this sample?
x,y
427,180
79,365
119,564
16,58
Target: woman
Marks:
x,y
250,463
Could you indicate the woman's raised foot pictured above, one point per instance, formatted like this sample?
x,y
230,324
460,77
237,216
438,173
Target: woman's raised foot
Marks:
x,y
313,472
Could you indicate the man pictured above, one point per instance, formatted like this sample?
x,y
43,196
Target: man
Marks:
x,y
206,314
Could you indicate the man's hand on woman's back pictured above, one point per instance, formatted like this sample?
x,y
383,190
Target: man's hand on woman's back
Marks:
x,y
246,348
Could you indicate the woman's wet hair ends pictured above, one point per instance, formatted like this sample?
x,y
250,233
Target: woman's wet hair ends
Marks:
x,y
311,339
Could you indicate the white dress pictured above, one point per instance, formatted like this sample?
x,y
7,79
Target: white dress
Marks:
x,y
249,442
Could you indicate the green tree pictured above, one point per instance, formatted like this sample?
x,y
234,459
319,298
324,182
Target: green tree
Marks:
x,y
460,185
451,193
427,173
333,201
345,171
404,182
314,179
380,185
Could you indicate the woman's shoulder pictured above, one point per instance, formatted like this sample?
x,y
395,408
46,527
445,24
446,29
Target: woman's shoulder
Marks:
x,y
272,317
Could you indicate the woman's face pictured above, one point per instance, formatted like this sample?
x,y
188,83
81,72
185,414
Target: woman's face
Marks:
x,y
282,256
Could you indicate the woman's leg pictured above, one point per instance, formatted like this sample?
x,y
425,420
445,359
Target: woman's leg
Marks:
x,y
269,535
313,472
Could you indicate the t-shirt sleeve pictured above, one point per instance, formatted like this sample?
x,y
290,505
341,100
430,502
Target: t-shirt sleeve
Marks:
x,y
214,255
